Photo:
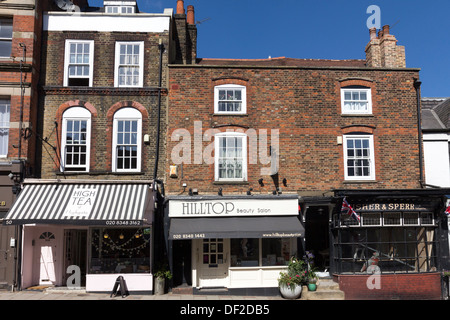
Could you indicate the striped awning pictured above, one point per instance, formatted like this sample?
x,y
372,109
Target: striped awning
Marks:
x,y
111,204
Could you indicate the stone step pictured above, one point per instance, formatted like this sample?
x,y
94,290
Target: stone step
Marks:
x,y
327,289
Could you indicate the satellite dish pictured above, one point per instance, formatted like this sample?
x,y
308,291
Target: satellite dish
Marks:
x,y
66,5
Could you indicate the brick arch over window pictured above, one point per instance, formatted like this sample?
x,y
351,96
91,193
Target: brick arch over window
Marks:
x,y
109,127
355,82
59,123
358,129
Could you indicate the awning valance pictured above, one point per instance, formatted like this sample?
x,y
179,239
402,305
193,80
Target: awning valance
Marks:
x,y
236,227
110,204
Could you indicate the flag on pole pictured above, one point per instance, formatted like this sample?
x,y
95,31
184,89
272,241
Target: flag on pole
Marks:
x,y
447,211
347,209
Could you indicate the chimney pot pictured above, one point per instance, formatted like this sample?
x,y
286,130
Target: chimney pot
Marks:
x,y
373,33
385,29
190,15
180,7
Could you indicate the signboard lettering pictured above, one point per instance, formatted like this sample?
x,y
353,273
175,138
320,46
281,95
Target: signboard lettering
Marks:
x,y
80,203
235,207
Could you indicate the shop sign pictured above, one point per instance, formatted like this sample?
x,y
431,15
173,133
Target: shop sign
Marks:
x,y
237,207
394,206
80,203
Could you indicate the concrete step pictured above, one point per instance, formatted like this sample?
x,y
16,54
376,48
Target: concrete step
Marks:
x,y
327,289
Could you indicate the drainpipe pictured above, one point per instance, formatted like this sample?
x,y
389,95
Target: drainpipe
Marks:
x,y
158,124
24,50
417,84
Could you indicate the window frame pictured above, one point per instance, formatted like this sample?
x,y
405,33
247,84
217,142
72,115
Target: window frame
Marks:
x,y
67,63
5,125
75,114
243,90
371,157
7,39
368,92
217,138
117,64
127,114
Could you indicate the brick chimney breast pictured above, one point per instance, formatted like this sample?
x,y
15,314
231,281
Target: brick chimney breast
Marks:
x,y
382,51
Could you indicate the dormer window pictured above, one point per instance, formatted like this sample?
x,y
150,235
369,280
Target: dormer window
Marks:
x,y
120,6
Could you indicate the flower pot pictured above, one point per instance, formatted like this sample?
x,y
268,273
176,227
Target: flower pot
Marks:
x,y
312,287
159,286
288,293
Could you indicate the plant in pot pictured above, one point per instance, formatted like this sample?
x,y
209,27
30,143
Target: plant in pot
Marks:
x,y
290,282
160,279
311,275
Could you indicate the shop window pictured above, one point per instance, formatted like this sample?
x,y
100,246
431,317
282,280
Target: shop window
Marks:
x,y
247,252
399,247
120,250
370,219
76,136
79,63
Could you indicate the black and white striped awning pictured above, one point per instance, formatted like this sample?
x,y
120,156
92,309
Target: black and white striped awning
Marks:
x,y
110,204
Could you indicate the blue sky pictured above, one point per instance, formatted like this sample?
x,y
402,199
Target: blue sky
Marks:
x,y
321,29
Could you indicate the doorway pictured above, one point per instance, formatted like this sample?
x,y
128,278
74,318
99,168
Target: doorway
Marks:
x,y
75,253
317,239
182,263
213,264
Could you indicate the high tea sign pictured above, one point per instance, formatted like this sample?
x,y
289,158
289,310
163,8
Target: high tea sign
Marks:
x,y
232,207
81,202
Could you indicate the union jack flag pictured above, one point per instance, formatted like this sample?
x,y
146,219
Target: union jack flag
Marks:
x,y
347,209
447,211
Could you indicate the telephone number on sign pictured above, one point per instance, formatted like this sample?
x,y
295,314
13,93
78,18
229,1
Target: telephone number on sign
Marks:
x,y
123,223
189,236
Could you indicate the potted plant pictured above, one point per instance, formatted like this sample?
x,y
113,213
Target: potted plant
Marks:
x,y
311,275
160,279
290,282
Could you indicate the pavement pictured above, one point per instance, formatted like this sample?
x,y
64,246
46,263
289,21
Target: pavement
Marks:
x,y
82,295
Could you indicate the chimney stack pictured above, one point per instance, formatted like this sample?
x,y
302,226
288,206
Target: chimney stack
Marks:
x,y
382,51
180,7
190,15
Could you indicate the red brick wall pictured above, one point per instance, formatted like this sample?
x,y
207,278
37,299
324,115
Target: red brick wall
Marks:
x,y
304,104
425,286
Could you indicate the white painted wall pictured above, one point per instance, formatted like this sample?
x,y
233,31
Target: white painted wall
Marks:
x,y
436,159
56,21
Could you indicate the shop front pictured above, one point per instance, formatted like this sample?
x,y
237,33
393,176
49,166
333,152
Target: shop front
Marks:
x,y
400,236
85,234
237,244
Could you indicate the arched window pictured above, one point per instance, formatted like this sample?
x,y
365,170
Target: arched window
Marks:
x,y
76,138
127,137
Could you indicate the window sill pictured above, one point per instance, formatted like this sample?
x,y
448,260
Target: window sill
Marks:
x,y
230,182
96,173
231,114
359,181
369,115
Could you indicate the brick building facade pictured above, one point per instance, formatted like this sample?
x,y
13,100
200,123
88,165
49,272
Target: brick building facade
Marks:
x,y
102,116
21,25
319,130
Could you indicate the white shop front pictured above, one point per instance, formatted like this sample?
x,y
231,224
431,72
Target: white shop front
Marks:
x,y
238,243
85,234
